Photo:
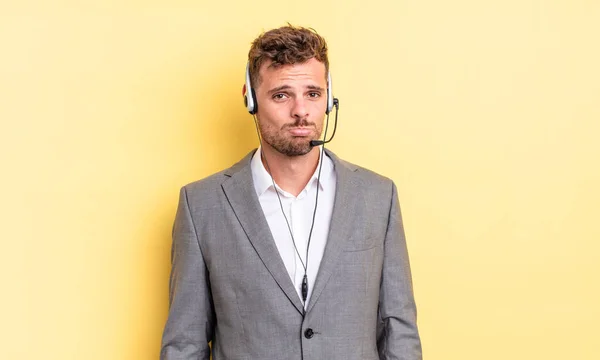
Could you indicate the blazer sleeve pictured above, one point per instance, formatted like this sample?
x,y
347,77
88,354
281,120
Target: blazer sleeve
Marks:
x,y
397,333
191,319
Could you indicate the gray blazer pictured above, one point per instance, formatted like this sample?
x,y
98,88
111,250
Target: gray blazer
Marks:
x,y
230,287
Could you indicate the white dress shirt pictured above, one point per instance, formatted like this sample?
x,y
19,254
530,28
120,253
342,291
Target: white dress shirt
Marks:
x,y
299,212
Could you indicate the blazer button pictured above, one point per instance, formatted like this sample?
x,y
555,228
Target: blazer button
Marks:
x,y
308,333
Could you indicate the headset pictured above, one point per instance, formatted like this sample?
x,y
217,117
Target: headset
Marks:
x,y
252,106
250,95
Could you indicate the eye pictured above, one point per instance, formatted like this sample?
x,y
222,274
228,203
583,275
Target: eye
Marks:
x,y
314,95
279,96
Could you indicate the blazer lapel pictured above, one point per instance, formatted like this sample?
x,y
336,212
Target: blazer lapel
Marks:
x,y
342,220
239,190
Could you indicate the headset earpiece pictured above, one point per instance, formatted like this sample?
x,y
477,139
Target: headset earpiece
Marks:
x,y
253,96
250,95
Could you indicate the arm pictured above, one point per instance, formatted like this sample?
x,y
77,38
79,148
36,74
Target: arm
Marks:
x,y
190,325
398,336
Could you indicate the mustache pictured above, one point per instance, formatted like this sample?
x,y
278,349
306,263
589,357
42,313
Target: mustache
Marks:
x,y
299,123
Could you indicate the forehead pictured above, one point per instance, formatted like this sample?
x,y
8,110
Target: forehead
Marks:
x,y
310,70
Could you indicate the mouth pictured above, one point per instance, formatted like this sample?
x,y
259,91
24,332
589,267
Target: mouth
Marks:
x,y
300,131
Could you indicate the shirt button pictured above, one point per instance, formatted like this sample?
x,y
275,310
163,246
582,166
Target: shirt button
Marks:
x,y
308,333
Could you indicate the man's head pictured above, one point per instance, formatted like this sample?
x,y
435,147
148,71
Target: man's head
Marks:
x,y
288,70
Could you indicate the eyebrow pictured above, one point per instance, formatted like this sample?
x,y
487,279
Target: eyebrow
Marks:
x,y
287,87
279,88
314,87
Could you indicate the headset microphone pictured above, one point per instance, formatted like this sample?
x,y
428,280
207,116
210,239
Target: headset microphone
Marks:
x,y
336,104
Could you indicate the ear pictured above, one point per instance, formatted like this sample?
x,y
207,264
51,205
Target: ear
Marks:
x,y
244,90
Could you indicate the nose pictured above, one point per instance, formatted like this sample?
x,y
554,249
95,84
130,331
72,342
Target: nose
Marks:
x,y
300,109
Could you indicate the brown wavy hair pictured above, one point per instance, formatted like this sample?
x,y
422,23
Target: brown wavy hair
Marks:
x,y
285,46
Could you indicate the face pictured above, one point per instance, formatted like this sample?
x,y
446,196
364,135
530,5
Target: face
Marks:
x,y
291,105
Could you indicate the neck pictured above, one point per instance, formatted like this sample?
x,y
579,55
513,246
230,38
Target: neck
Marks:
x,y
291,173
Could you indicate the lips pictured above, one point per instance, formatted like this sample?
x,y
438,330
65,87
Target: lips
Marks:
x,y
300,131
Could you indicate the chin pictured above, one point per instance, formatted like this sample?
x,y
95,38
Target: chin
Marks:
x,y
296,149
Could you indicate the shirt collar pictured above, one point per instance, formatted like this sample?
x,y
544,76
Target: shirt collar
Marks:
x,y
263,181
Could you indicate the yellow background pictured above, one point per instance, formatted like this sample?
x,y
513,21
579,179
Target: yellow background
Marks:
x,y
485,113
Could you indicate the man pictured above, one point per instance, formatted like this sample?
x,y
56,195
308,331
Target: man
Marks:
x,y
292,253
